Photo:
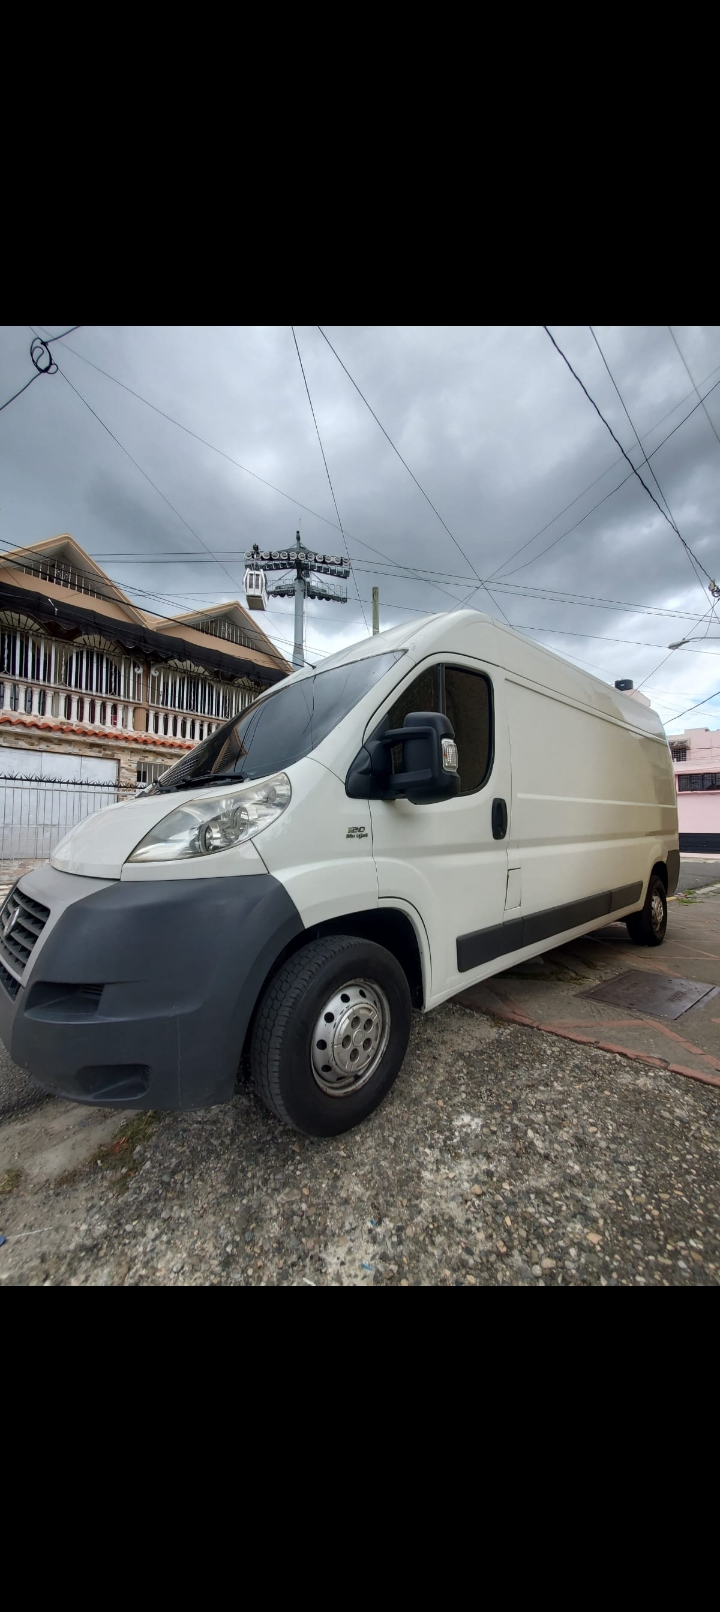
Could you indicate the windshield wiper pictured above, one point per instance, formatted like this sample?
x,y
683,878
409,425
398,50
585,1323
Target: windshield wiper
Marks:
x,y
201,778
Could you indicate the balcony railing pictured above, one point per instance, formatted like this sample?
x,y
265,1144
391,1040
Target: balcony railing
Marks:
x,y
171,723
64,705
21,697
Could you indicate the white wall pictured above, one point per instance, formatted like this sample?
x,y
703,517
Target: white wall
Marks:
x,y
70,766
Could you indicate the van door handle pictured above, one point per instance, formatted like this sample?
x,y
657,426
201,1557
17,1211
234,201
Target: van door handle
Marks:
x,y
499,819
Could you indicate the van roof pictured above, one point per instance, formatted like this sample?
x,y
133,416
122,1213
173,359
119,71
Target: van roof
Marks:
x,y
472,632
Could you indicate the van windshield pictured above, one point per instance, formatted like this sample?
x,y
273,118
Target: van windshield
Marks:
x,y
279,728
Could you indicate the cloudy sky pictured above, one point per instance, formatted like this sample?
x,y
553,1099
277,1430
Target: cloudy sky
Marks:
x,y
491,422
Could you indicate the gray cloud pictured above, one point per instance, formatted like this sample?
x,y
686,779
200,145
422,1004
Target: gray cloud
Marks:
x,y
490,420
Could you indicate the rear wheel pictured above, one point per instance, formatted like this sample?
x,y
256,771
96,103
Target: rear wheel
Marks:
x,y
647,927
331,1034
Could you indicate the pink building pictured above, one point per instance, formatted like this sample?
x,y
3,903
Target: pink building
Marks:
x,y
696,755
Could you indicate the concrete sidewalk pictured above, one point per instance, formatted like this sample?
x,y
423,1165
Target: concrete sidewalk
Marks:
x,y
550,992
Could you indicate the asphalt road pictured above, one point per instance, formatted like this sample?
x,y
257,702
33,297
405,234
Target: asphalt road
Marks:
x,y
693,875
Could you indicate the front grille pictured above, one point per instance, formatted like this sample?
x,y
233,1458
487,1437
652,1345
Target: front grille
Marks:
x,y
12,986
22,921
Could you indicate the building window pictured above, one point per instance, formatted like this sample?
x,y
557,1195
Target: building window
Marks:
x,y
148,772
697,780
220,627
679,752
181,686
64,575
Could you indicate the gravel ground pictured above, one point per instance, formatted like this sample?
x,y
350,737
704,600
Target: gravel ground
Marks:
x,y
19,1094
502,1157
17,1091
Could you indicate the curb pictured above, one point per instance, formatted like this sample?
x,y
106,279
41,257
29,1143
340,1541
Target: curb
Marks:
x,y
510,1016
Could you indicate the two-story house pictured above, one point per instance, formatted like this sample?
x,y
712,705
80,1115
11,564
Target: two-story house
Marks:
x,y
85,672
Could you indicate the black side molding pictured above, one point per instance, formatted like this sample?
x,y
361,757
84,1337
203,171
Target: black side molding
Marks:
x,y
485,944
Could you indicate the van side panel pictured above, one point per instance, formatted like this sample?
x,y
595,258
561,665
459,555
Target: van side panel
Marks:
x,y
593,803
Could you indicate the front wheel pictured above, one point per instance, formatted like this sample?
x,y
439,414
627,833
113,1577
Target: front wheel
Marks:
x,y
330,1034
647,927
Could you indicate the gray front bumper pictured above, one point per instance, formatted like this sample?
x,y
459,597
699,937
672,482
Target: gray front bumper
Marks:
x,y
180,965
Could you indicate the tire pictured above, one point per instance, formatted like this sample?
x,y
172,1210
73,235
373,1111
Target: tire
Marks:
x,y
647,927
303,1072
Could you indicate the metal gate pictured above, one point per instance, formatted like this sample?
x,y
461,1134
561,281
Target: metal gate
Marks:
x,y
36,813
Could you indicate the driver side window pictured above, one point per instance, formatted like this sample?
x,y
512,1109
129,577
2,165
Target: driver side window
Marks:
x,y
465,697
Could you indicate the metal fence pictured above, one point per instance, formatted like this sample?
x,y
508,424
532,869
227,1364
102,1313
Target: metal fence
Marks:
x,y
36,813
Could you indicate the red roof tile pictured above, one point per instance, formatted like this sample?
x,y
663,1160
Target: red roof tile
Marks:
x,y
81,729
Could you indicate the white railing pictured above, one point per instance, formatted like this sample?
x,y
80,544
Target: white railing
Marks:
x,y
223,628
65,575
174,724
23,698
20,697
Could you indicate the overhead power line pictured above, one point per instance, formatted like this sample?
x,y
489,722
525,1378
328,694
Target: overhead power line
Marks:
x,y
624,408
690,708
553,596
708,614
364,544
327,472
61,337
223,455
410,472
148,478
521,590
603,500
689,375
39,349
111,598
214,449
24,388
691,556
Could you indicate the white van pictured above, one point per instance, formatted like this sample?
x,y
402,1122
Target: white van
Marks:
x,y
426,808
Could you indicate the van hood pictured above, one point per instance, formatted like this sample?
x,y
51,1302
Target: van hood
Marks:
x,y
100,845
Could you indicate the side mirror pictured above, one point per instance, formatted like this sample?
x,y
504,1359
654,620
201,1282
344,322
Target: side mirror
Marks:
x,y
430,762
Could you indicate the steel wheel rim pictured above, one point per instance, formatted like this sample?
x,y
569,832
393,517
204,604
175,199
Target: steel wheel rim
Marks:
x,y
350,1036
657,911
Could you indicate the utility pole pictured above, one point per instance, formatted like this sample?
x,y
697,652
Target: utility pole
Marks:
x,y
376,609
299,645
303,577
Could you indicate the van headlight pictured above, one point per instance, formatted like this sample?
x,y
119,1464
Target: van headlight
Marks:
x,y
199,827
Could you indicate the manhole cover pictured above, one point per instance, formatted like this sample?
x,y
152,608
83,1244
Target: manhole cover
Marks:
x,y
662,996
